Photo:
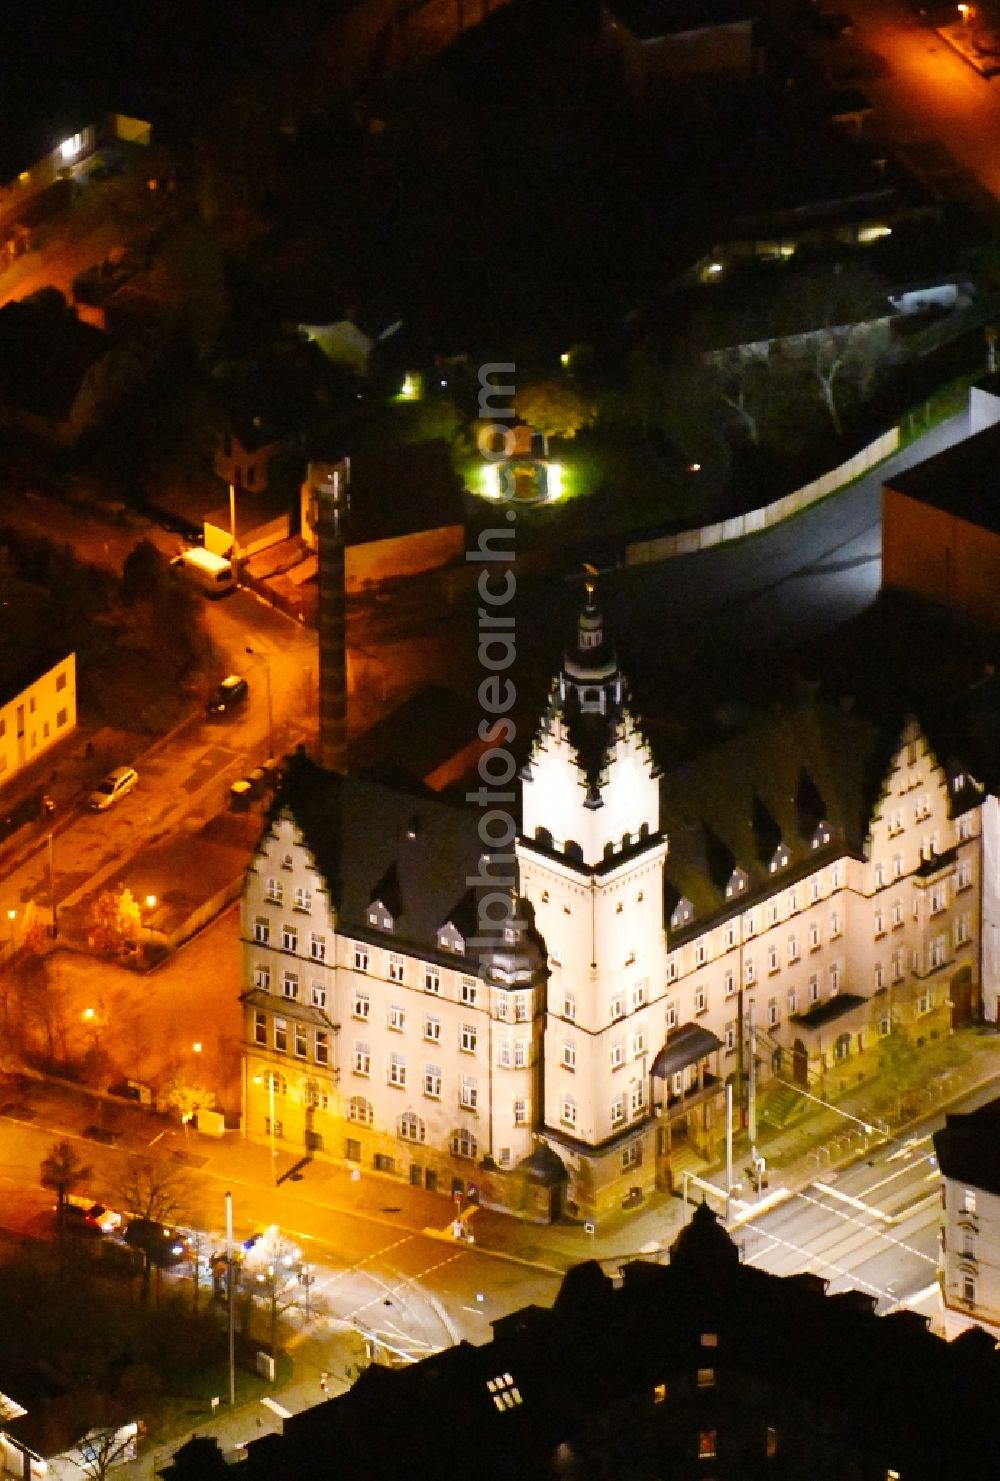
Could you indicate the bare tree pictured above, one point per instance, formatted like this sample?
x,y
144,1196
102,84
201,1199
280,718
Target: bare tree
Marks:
x,y
841,317
272,1272
157,1190
62,1170
104,1447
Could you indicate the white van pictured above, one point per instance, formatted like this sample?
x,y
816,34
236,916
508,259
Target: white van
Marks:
x,y
212,574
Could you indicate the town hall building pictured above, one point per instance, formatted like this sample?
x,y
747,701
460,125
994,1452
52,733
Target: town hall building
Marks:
x,y
790,899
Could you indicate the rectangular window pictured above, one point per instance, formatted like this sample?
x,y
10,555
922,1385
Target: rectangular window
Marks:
x,y
749,971
631,1156
938,899
639,994
791,1000
814,987
897,913
730,937
729,983
521,1001
700,1000
834,925
617,1008
470,991
281,1034
730,1038
520,1112
262,930
289,938
618,1110
505,1054
706,1377
432,1081
814,938
793,949
617,1054
317,995
968,1200
362,1059
322,1046
361,959
569,1007
671,970
569,1056
961,930
969,1290
467,1038
880,922
395,967
468,1093
671,1014
772,959
879,977
699,954
772,915
520,1054
879,875
262,978
897,866
273,891
964,878
260,1028
432,980
301,1047
303,898
637,1097
362,1005
397,1018
62,716
814,890
61,680
290,984
317,947
568,1112
432,1029
706,1445
834,978
897,965
772,1013
638,1044
397,1070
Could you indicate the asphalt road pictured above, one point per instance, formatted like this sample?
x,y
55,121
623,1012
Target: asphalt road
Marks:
x,y
872,1227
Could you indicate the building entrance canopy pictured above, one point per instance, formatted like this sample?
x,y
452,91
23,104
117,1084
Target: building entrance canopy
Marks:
x,y
684,1046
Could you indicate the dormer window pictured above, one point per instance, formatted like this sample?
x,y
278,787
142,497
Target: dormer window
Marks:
x,y
779,859
683,911
379,917
822,834
592,699
450,939
737,883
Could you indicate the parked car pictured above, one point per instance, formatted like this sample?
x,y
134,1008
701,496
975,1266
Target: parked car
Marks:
x,y
231,694
158,1242
107,1220
114,786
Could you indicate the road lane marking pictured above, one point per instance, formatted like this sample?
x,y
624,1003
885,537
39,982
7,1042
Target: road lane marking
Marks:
x,y
811,1259
855,1203
869,1229
401,1285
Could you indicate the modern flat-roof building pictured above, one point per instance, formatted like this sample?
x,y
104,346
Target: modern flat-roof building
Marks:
x,y
37,709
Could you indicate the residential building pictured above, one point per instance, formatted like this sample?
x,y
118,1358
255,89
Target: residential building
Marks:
x,y
704,1367
797,893
968,1154
37,709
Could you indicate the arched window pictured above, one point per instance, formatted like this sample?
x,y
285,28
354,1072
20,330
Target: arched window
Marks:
x,y
544,837
280,1083
360,1110
463,1144
411,1128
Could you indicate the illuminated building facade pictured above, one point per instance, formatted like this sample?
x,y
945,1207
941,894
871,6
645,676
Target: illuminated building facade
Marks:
x,y
805,889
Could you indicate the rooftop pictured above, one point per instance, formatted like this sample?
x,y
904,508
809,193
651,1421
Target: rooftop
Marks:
x,y
968,1147
961,480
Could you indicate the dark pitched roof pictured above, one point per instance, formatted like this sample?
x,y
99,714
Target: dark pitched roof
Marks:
x,y
961,480
650,19
607,1379
775,784
368,839
45,352
968,1147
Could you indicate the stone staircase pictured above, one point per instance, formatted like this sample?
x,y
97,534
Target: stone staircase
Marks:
x,y
780,1104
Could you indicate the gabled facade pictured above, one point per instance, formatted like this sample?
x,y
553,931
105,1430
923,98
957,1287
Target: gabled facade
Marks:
x,y
796,894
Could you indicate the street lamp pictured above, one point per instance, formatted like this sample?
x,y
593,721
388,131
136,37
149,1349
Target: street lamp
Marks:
x,y
270,712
